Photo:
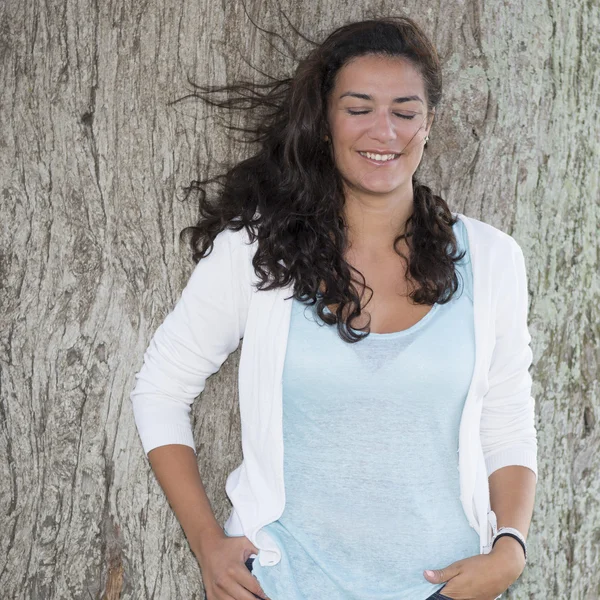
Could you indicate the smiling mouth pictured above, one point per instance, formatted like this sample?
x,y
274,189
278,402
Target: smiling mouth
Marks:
x,y
379,159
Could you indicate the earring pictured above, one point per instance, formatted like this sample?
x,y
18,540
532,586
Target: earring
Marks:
x,y
326,138
426,138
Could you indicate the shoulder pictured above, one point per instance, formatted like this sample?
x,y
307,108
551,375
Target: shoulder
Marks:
x,y
229,258
484,237
498,253
234,243
240,250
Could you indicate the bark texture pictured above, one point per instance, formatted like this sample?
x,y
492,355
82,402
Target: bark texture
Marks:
x,y
91,165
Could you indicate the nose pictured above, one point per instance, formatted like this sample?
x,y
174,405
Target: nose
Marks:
x,y
382,128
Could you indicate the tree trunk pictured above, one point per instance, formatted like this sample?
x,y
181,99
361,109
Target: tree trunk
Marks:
x,y
92,164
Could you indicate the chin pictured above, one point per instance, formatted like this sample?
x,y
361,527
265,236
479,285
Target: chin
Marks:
x,y
379,190
381,187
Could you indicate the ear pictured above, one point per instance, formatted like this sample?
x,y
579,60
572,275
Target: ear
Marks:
x,y
430,117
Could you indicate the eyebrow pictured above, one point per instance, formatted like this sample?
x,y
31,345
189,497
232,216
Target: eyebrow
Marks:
x,y
395,100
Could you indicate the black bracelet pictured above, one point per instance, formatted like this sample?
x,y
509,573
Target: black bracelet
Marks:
x,y
512,535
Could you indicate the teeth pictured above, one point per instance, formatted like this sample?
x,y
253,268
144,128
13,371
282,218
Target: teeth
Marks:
x,y
380,157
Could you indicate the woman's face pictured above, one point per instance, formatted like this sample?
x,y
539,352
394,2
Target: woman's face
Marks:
x,y
378,106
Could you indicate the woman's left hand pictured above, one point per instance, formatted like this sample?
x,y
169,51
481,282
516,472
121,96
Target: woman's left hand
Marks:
x,y
482,577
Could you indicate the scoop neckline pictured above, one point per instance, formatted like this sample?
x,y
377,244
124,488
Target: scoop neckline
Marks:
x,y
411,329
403,332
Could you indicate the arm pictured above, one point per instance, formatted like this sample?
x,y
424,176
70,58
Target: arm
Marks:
x,y
512,496
194,340
176,470
508,432
205,326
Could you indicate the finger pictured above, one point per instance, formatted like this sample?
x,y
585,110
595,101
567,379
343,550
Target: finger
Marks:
x,y
251,583
243,592
241,585
225,587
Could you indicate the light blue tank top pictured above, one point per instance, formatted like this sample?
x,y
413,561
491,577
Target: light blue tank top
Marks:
x,y
371,455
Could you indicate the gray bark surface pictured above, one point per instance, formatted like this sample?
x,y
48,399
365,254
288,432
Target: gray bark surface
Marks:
x,y
92,161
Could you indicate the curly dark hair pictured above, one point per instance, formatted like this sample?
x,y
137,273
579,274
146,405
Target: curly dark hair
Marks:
x,y
289,194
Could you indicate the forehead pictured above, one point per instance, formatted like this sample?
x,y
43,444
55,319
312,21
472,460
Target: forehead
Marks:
x,y
379,75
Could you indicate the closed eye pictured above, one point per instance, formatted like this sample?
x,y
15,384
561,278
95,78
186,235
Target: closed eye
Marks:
x,y
364,112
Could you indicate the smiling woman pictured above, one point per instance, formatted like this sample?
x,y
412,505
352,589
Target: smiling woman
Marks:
x,y
378,136
369,394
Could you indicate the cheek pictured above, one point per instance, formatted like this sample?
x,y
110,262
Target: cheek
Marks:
x,y
346,130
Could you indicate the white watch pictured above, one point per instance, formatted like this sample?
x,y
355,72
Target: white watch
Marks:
x,y
514,533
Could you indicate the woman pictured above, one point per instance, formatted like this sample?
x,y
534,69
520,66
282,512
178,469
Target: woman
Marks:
x,y
327,226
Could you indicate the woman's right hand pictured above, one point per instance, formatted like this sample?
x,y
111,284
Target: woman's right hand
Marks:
x,y
225,576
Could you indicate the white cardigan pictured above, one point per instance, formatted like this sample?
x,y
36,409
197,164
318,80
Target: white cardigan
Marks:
x,y
219,306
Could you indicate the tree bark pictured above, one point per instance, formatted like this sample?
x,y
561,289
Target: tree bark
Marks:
x,y
92,160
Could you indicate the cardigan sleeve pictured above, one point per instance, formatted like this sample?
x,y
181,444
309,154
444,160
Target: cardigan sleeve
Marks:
x,y
508,433
191,344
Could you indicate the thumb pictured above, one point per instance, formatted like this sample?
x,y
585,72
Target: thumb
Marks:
x,y
441,575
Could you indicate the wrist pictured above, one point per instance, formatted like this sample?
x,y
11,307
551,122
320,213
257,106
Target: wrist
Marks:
x,y
202,542
510,552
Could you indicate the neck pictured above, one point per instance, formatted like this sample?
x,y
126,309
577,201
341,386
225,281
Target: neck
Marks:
x,y
374,222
